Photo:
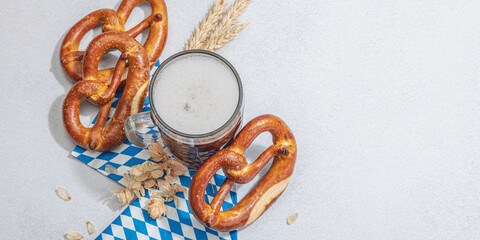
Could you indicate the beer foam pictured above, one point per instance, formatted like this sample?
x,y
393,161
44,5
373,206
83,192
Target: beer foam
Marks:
x,y
195,94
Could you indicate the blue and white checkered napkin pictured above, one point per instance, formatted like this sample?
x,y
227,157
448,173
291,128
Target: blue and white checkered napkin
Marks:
x,y
135,222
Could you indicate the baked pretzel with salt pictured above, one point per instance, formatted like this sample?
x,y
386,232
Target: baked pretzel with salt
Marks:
x,y
111,20
101,137
237,170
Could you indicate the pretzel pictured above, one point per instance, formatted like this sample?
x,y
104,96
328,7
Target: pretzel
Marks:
x,y
237,170
101,137
71,57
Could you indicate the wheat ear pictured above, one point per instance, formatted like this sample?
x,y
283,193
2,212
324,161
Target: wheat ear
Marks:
x,y
218,27
206,26
227,27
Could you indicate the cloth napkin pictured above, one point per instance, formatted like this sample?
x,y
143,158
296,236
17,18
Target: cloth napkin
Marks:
x,y
135,222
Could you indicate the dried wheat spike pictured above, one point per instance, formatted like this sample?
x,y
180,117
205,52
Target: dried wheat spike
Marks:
x,y
202,31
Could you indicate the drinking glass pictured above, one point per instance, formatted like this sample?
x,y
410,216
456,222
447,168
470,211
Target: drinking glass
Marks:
x,y
192,149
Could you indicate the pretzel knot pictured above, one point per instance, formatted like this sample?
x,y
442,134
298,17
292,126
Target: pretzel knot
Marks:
x,y
236,168
71,58
101,137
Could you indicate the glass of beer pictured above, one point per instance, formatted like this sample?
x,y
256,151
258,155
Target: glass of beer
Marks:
x,y
196,101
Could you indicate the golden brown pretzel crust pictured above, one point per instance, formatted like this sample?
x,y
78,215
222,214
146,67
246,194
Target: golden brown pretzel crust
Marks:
x,y
101,137
71,57
157,22
237,170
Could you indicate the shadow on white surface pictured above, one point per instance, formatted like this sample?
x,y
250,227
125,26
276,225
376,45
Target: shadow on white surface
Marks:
x,y
55,124
55,67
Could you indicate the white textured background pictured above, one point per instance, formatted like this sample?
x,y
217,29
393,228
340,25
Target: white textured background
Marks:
x,y
383,97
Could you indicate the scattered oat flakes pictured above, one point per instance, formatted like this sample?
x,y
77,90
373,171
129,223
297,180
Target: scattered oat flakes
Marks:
x,y
168,189
150,184
292,218
74,236
156,152
91,228
124,195
157,173
110,169
148,176
136,170
157,207
63,194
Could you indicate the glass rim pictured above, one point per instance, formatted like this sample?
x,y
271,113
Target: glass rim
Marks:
x,y
187,52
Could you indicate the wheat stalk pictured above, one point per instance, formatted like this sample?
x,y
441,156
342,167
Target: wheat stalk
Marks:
x,y
217,41
227,28
206,26
211,35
